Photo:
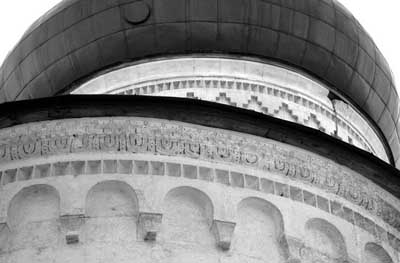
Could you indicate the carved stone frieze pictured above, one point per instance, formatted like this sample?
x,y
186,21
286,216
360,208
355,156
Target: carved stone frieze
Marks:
x,y
283,94
136,135
225,90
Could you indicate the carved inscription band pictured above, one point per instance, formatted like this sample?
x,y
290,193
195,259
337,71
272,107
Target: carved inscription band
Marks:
x,y
135,135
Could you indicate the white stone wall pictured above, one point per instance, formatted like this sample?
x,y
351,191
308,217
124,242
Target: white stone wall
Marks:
x,y
109,205
269,89
103,211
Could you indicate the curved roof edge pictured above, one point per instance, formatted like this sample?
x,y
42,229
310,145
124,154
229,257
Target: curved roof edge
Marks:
x,y
206,114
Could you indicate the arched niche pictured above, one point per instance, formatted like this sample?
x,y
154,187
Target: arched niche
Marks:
x,y
187,217
33,216
111,210
259,233
111,199
323,241
374,253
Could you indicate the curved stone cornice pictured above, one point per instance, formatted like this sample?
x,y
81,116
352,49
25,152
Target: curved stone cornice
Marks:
x,y
265,88
205,114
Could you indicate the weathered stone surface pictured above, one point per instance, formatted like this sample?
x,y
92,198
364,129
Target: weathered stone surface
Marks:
x,y
72,237
223,232
194,176
148,226
4,237
268,89
72,222
134,135
71,226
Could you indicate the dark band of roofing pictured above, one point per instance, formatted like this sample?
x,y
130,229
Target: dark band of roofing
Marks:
x,y
208,114
81,37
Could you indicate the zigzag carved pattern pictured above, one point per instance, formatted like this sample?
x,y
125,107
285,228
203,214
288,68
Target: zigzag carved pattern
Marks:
x,y
254,104
165,85
224,99
312,119
285,113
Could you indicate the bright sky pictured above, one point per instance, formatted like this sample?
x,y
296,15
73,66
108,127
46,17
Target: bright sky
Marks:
x,y
380,18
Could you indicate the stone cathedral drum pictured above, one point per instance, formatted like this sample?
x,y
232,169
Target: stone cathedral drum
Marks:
x,y
198,131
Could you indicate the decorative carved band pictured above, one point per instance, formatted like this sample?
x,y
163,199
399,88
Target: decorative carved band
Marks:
x,y
135,135
319,115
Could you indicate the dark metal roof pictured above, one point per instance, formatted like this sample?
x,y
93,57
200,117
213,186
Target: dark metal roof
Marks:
x,y
81,37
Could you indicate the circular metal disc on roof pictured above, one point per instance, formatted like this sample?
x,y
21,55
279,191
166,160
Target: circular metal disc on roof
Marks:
x,y
320,37
136,12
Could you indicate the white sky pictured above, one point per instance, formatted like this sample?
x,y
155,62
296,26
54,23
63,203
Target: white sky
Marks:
x,y
380,18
